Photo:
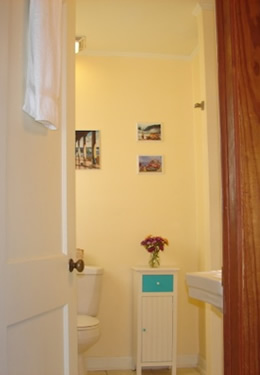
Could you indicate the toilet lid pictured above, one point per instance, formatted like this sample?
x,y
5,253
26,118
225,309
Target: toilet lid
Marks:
x,y
85,321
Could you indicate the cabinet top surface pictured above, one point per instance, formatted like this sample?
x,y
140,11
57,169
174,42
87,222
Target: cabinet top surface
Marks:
x,y
147,269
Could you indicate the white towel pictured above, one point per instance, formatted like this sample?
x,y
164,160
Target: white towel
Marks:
x,y
44,62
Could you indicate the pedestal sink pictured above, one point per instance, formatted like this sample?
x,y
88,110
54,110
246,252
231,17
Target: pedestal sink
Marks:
x,y
206,287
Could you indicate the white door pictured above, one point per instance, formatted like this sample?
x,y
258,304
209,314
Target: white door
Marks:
x,y
37,296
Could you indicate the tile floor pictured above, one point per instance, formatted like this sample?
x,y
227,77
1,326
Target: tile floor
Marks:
x,y
180,371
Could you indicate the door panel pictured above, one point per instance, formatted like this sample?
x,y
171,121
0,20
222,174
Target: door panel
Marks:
x,y
239,86
43,353
37,237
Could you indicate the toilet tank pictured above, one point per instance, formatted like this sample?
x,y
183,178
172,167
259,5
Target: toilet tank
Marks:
x,y
89,288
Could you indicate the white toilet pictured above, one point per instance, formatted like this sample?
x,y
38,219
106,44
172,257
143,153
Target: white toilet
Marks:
x,y
89,288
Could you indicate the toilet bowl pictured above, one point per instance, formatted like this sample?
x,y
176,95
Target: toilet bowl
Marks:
x,y
88,325
88,332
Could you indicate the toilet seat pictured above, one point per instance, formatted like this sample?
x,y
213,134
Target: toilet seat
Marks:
x,y
86,322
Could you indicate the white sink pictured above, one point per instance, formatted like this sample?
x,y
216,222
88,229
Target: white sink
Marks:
x,y
206,287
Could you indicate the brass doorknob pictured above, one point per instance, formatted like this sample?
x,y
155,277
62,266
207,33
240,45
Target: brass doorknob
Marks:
x,y
79,265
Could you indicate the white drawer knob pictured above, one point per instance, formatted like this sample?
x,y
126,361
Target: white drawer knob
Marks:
x,y
158,283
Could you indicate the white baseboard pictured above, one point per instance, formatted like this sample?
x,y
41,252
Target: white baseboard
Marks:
x,y
126,363
187,361
109,363
202,366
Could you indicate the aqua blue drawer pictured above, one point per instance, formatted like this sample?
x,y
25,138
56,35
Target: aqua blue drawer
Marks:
x,y
157,283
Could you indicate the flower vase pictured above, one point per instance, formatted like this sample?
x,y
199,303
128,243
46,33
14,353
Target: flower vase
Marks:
x,y
154,259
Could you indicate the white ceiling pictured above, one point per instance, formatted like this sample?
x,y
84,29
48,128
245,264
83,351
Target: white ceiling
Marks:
x,y
161,27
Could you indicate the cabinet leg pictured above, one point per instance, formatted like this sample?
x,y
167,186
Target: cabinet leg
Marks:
x,y
138,370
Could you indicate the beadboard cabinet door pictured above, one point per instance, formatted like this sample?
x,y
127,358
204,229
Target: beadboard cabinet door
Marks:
x,y
157,328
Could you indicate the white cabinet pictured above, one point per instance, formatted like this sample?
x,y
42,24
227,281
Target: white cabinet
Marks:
x,y
154,317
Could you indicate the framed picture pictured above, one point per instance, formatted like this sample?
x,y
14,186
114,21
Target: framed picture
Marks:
x,y
150,163
87,149
150,131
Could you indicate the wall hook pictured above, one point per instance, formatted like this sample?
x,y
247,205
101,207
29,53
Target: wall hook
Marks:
x,y
200,105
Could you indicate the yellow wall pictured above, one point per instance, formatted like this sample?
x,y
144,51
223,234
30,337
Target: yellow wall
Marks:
x,y
200,171
115,206
208,156
208,192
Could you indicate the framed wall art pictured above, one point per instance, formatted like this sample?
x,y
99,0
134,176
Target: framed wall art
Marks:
x,y
150,131
87,149
150,164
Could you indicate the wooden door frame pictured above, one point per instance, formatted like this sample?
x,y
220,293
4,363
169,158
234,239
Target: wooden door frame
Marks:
x,y
238,30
